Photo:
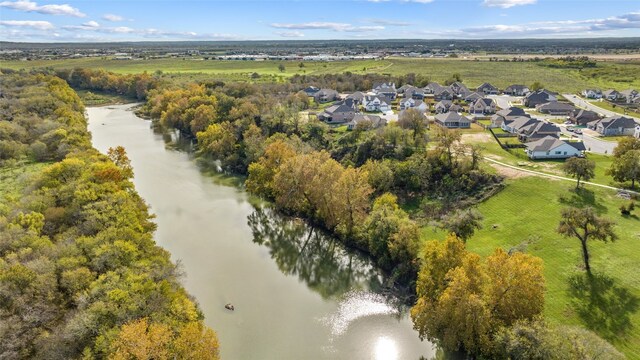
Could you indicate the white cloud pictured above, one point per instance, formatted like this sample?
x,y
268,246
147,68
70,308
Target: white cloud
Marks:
x,y
112,17
387,22
38,25
291,34
52,9
340,27
505,4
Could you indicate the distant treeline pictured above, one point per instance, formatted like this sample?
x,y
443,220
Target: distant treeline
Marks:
x,y
80,273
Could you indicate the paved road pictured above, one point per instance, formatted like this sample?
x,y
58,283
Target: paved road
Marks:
x,y
580,102
506,101
593,144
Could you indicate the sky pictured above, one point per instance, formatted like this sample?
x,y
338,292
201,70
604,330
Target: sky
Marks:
x,y
215,20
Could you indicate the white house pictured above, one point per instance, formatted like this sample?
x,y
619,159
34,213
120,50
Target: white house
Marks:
x,y
552,148
636,134
410,103
376,103
592,93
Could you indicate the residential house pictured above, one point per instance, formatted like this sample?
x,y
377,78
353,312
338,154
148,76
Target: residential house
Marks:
x,y
442,106
628,95
337,114
409,103
414,93
376,103
614,126
483,106
538,130
612,95
516,123
453,120
432,88
311,90
517,90
458,89
443,94
583,117
636,133
550,147
472,97
326,95
488,89
367,121
456,108
386,89
358,97
509,114
555,108
539,97
402,89
592,93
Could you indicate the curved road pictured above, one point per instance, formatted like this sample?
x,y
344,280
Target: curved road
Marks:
x,y
580,102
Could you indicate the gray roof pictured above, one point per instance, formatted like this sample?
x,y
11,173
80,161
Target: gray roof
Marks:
x,y
487,85
375,120
473,96
512,111
555,106
516,87
451,116
338,109
356,96
445,103
549,143
617,122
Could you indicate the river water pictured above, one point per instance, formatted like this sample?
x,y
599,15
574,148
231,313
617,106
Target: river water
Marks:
x,y
297,293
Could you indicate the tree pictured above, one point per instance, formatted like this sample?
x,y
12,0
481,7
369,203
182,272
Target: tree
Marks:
x,y
281,67
536,86
463,223
579,168
119,157
584,224
142,340
626,167
261,173
415,120
301,65
625,145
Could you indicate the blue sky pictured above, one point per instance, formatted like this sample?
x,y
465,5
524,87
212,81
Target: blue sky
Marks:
x,y
109,20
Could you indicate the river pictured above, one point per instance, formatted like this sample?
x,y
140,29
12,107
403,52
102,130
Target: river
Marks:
x,y
297,293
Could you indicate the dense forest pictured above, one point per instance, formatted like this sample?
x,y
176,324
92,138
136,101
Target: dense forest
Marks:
x,y
80,273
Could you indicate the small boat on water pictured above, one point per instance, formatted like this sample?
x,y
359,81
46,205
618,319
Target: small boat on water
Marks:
x,y
229,307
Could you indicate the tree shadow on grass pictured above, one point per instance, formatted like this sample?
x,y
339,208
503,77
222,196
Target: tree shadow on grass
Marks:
x,y
603,306
581,198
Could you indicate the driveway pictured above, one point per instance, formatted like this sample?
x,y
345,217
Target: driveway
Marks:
x,y
593,144
580,102
506,101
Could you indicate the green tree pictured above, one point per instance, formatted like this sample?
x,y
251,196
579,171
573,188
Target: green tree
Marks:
x,y
536,86
414,120
584,224
625,145
119,157
281,67
579,168
626,167
463,223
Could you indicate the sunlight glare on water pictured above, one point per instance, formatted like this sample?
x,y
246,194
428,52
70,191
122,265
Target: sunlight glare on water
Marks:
x,y
385,349
354,306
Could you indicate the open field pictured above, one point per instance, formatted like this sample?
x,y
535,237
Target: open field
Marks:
x,y
526,213
501,74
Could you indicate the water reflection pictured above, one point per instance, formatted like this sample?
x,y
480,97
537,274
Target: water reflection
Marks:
x,y
316,258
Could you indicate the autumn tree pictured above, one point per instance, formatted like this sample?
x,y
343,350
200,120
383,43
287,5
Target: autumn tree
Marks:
x,y
119,157
414,120
463,301
219,142
584,224
579,168
262,172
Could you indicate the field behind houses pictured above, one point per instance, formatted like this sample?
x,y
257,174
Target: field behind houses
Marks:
x,y
606,75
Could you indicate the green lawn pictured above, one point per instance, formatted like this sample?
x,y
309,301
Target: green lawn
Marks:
x,y
527,211
473,73
618,109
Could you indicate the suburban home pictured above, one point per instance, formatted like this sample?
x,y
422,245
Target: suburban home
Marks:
x,y
402,89
628,95
516,123
472,97
453,120
367,121
442,106
517,90
326,95
483,106
443,94
415,93
376,103
432,88
458,88
614,126
612,95
311,90
358,97
555,108
456,108
592,93
386,89
550,147
509,114
583,117
538,130
337,114
636,134
488,89
410,103
536,98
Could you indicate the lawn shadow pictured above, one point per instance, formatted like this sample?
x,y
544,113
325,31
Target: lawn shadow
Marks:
x,y
581,198
603,306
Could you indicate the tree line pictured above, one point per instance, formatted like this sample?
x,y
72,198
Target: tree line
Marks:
x,y
80,273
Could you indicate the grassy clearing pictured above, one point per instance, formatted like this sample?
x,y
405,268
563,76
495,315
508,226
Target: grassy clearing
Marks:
x,y
501,74
100,99
527,211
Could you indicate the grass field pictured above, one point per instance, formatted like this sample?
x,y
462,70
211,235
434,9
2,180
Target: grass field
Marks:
x,y
607,75
527,211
